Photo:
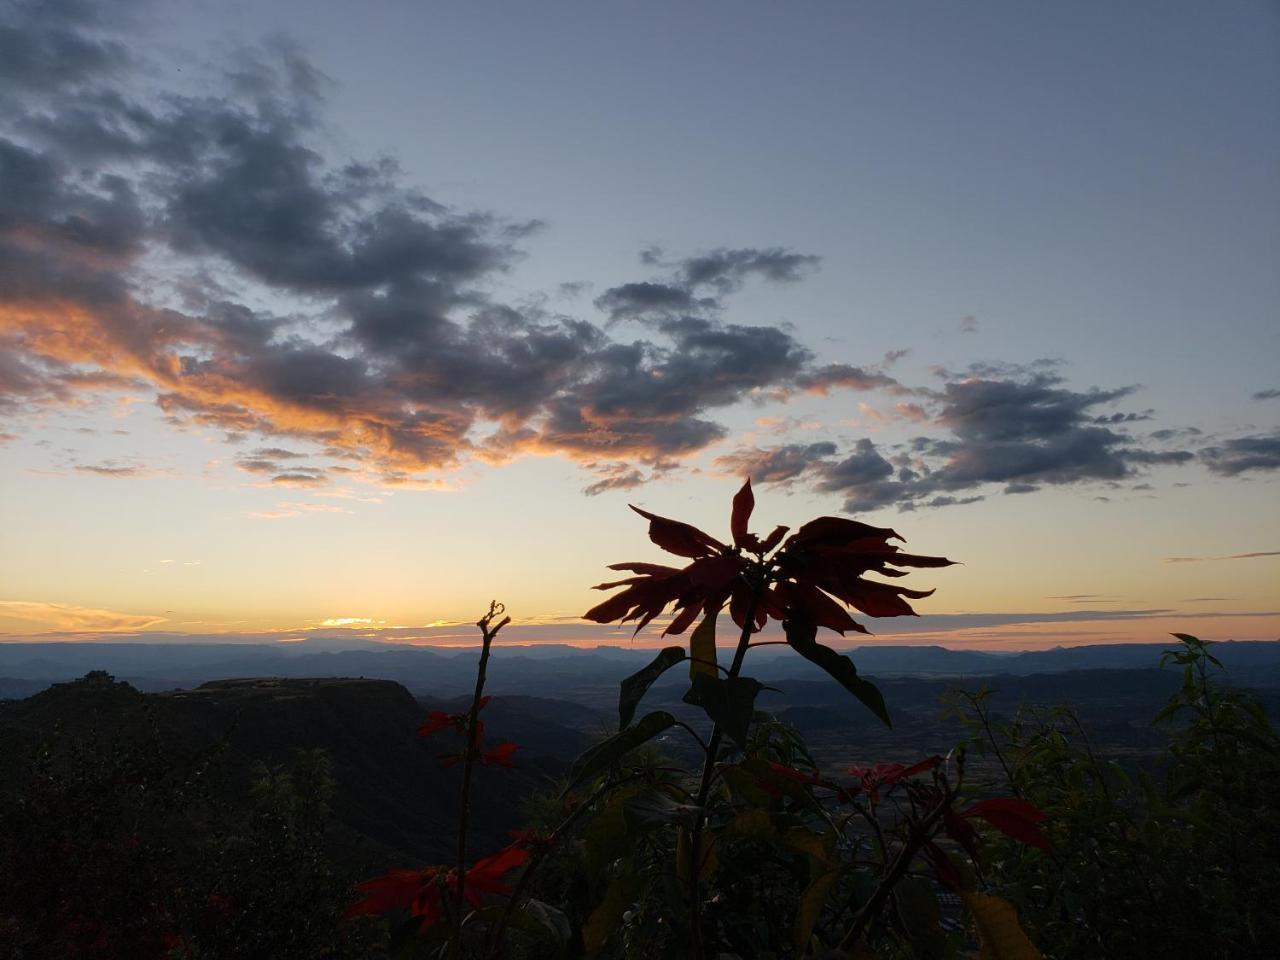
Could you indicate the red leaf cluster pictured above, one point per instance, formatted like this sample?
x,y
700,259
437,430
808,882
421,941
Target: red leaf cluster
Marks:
x,y
887,775
421,892
816,573
437,720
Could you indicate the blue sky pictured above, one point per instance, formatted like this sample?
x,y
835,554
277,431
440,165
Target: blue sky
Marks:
x,y
995,184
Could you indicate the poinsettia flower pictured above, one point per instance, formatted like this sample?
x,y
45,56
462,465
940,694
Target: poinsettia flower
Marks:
x,y
817,573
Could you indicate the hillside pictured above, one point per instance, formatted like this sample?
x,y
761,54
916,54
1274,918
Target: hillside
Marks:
x,y
394,804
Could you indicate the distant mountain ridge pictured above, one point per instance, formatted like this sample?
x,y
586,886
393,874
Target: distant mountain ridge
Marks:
x,y
547,668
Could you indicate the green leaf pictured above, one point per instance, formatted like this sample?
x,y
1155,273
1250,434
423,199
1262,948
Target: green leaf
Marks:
x,y
920,917
811,903
549,920
602,755
605,836
729,702
802,637
656,809
702,647
1001,936
606,917
633,688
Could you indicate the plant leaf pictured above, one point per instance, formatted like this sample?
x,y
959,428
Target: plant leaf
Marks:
x,y
606,917
811,903
729,702
632,689
702,647
801,636
1001,936
600,756
682,539
919,915
652,809
547,920
1013,817
744,502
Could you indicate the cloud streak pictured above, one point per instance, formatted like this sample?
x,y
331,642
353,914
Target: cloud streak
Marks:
x,y
1232,556
65,617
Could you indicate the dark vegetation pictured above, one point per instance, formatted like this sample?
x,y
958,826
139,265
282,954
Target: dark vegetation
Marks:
x,y
244,818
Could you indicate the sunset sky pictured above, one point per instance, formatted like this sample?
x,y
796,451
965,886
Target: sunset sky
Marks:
x,y
325,318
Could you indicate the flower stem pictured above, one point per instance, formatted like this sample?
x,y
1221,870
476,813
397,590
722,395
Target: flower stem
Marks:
x,y
704,786
919,835
488,631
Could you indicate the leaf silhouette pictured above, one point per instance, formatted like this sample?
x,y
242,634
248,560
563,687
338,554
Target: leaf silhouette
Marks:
x,y
632,689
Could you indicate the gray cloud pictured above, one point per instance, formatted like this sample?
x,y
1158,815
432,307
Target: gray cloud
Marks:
x,y
778,464
1243,455
1021,428
1232,556
393,350
698,283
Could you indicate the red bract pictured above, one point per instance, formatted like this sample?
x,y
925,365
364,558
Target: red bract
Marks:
x,y
421,891
438,720
889,774
1014,818
798,776
499,756
417,891
815,574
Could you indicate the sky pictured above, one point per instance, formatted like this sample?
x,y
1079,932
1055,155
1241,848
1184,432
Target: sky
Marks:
x,y
332,319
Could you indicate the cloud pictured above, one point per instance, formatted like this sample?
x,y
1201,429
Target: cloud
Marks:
x,y
144,231
1233,556
290,509
62,616
1019,427
1267,395
698,284
141,230
118,469
615,477
969,324
848,377
777,464
1243,455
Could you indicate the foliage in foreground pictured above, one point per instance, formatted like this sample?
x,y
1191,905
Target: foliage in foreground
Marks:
x,y
759,853
1183,861
110,850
